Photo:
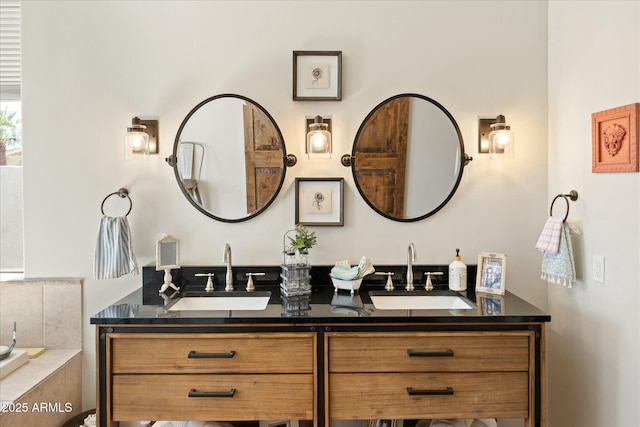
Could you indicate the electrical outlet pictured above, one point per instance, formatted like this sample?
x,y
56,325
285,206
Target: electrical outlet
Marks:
x,y
598,268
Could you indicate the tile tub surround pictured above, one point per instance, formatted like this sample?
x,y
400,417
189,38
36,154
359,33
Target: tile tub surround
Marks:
x,y
48,389
45,392
48,313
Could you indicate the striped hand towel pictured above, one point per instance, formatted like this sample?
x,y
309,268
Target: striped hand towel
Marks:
x,y
114,251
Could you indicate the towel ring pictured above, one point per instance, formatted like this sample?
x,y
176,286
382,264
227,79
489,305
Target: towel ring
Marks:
x,y
573,195
122,192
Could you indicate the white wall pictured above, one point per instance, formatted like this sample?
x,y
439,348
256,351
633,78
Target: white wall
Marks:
x,y
11,244
90,66
593,342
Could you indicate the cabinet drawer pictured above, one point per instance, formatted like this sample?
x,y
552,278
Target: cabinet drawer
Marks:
x,y
255,397
429,352
201,353
448,395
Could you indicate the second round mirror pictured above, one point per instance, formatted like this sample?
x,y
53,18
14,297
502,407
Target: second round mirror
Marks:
x,y
408,157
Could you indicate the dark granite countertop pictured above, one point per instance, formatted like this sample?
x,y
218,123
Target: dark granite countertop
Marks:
x,y
146,307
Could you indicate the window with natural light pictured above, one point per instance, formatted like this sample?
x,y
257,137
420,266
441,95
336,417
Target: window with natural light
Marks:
x,y
11,190
10,134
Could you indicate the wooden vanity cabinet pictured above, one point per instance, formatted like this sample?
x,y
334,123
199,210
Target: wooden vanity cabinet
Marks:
x,y
210,376
425,375
321,373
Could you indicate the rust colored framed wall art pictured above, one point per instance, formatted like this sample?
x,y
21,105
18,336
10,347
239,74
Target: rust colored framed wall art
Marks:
x,y
615,139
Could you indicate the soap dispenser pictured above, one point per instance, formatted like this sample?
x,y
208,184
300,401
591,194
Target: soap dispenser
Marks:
x,y
457,274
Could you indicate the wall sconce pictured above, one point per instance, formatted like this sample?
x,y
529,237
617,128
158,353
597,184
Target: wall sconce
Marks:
x,y
319,138
141,138
495,137
500,139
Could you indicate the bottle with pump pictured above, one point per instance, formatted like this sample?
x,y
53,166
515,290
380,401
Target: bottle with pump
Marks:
x,y
457,274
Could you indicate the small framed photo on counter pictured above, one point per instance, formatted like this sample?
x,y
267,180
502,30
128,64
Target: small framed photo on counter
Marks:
x,y
492,273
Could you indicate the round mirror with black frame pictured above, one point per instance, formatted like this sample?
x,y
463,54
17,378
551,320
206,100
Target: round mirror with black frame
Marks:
x,y
229,158
407,157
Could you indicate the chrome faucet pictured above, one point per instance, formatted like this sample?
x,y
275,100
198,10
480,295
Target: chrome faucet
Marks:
x,y
226,257
411,258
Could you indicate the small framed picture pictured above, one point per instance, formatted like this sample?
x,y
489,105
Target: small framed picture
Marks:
x,y
491,305
614,139
492,272
284,423
319,201
317,75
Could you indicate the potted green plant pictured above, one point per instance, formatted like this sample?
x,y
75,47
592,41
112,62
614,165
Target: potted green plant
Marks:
x,y
302,242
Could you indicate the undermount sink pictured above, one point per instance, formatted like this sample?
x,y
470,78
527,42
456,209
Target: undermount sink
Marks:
x,y
223,301
410,301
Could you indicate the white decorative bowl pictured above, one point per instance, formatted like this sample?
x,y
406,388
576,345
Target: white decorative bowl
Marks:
x,y
347,285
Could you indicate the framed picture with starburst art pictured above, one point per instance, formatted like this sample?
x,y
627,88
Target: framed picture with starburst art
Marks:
x,y
319,201
317,75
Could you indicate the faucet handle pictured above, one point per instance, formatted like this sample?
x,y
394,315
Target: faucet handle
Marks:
x,y
250,286
389,285
209,287
429,285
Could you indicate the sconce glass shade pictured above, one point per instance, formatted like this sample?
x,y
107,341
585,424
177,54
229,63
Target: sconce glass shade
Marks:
x,y
318,140
501,141
136,140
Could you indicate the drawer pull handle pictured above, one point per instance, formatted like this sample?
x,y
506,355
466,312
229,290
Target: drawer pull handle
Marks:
x,y
443,392
194,393
446,353
195,355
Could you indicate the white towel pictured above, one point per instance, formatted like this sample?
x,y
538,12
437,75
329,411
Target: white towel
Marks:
x,y
114,251
549,240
